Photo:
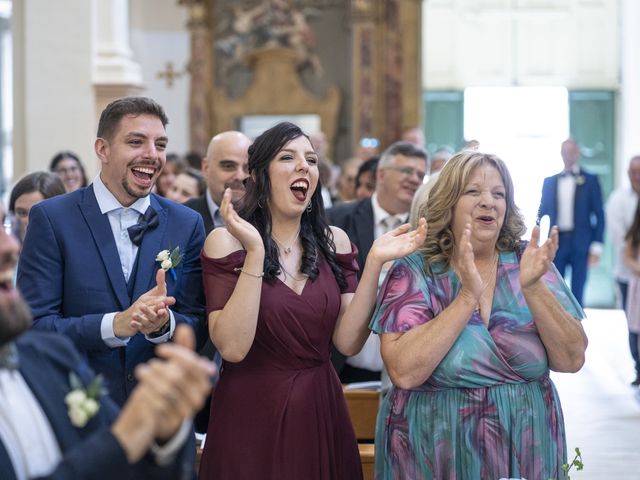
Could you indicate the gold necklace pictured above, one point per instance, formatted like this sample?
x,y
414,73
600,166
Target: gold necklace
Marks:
x,y
286,250
297,279
492,275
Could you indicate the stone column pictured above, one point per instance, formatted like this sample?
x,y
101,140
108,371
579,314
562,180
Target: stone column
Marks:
x,y
629,98
200,68
115,73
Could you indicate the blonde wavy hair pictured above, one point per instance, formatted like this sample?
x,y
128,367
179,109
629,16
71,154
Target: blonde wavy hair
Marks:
x,y
439,245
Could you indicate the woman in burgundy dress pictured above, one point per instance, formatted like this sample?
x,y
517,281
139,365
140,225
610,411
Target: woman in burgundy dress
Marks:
x,y
280,287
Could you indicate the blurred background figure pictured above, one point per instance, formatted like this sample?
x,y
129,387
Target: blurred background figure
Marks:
x,y
172,168
471,145
193,160
414,135
366,178
367,148
347,180
32,189
438,160
69,168
188,184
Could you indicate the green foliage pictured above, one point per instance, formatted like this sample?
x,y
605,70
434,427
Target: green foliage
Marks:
x,y
576,462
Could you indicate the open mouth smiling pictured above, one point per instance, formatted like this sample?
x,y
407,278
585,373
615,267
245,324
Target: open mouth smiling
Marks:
x,y
300,188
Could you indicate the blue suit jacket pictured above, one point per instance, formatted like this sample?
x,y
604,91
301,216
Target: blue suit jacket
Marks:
x,y
69,272
588,214
91,451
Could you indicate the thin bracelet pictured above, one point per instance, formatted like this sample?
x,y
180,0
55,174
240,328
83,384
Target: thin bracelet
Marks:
x,y
257,275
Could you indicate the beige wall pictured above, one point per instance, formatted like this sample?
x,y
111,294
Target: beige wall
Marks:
x,y
53,99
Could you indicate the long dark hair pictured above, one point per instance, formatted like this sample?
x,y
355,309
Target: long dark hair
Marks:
x,y
315,235
633,234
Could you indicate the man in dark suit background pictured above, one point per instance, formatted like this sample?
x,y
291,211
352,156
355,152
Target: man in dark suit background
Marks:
x,y
573,201
39,435
225,166
89,265
401,170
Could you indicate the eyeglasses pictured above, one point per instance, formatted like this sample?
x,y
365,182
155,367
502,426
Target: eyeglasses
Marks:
x,y
64,171
408,171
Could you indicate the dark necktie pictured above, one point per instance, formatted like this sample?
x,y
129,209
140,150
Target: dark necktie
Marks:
x,y
148,221
9,356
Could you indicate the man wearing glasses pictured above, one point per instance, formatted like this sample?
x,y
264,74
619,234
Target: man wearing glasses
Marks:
x,y
401,171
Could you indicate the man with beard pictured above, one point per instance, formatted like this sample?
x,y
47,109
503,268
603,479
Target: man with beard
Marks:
x,y
40,436
90,265
225,166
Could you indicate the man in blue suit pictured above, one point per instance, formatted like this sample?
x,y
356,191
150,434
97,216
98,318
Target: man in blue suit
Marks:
x,y
42,437
88,267
573,201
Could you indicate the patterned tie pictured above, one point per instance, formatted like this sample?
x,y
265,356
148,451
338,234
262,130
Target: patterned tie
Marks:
x,y
9,356
390,223
148,221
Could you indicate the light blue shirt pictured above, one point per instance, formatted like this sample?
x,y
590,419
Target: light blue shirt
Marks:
x,y
120,219
214,209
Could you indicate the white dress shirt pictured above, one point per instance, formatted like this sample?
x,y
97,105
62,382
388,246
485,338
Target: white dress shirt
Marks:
x,y
369,357
120,219
566,199
620,209
25,430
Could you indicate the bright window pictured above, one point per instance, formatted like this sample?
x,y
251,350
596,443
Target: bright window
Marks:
x,y
524,126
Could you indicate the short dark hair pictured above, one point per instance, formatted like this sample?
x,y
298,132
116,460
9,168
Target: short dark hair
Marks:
x,y
47,183
58,157
113,113
369,165
407,149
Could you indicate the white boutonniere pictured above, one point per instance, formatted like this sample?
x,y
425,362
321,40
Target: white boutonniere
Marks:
x,y
580,180
169,260
83,402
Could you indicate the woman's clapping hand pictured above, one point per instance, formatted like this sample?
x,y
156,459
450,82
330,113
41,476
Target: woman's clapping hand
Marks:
x,y
398,242
536,259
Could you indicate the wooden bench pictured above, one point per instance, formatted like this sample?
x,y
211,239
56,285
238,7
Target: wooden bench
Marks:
x,y
363,409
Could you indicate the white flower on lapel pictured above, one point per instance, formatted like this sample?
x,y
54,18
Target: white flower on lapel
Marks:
x,y
83,403
580,180
169,260
163,256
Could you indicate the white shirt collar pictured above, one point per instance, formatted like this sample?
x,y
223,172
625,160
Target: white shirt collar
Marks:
x,y
108,202
380,213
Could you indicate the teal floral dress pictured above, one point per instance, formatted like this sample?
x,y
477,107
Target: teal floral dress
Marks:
x,y
489,409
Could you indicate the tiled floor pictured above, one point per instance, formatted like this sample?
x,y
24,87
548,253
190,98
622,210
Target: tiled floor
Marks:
x,y
601,409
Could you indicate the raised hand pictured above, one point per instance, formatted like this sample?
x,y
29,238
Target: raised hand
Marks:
x,y
148,313
180,380
399,242
246,233
171,389
536,259
470,278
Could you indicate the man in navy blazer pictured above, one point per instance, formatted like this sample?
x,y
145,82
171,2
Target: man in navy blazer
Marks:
x,y
88,267
39,435
573,201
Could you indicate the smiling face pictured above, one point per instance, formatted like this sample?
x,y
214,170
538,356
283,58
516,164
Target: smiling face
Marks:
x,y
22,208
70,173
184,188
15,316
133,158
398,181
483,206
293,175
227,165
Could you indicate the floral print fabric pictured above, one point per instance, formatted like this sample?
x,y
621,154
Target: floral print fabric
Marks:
x,y
489,409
